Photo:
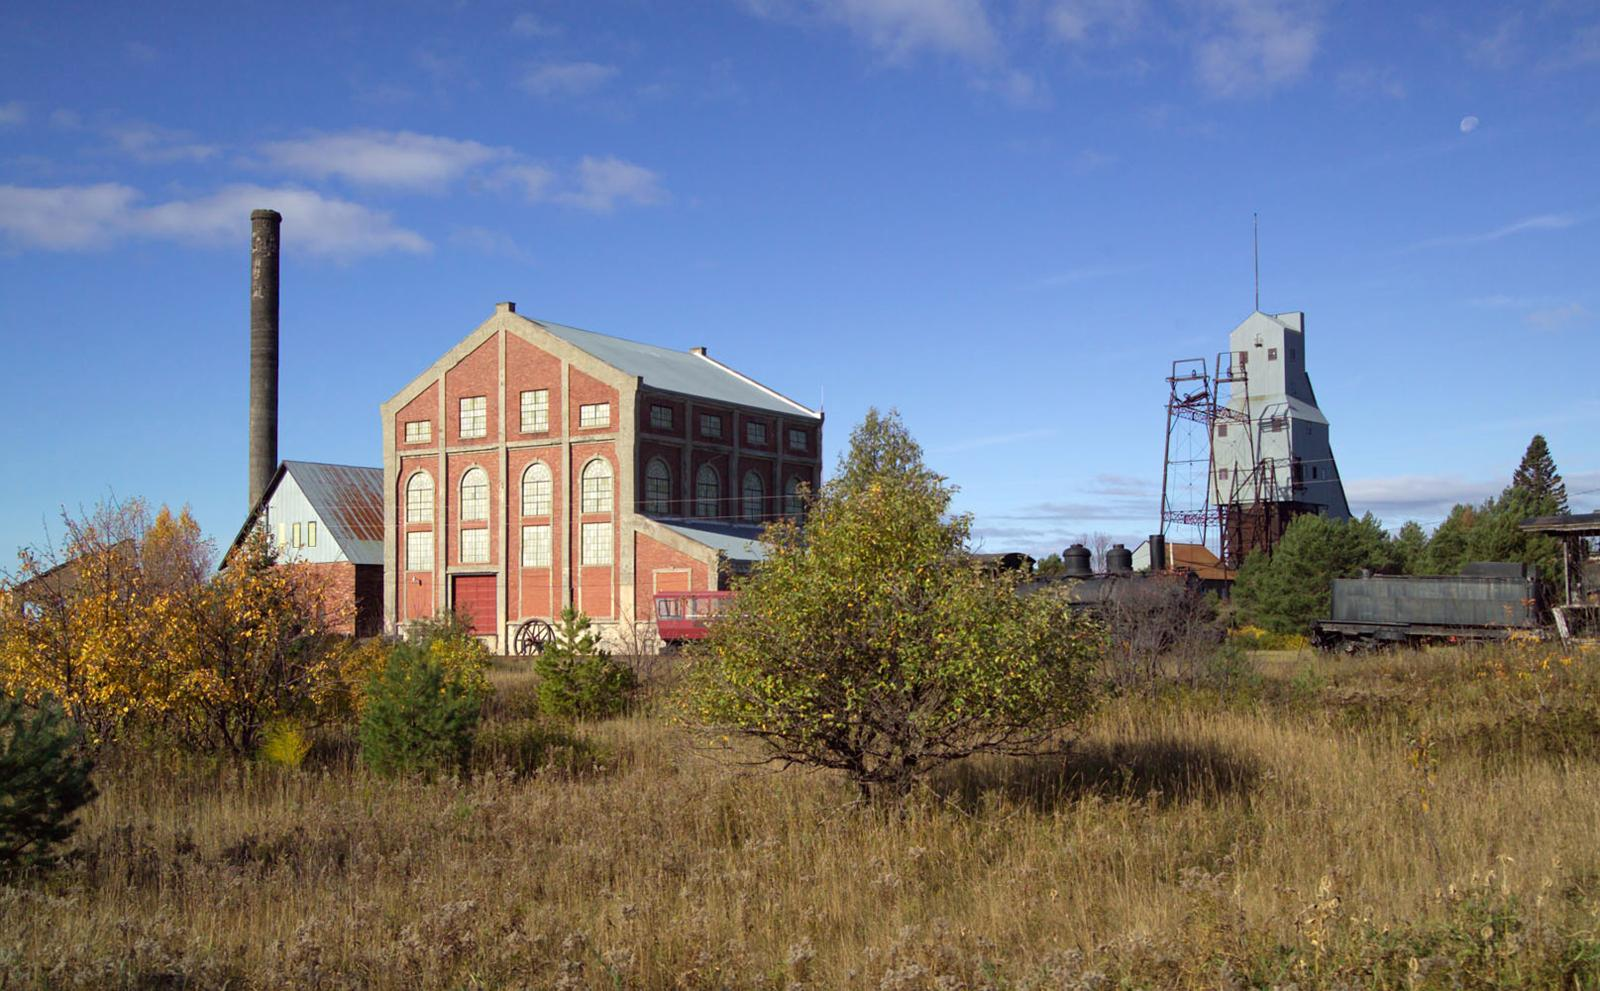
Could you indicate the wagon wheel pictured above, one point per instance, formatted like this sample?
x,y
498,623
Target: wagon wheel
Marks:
x,y
532,636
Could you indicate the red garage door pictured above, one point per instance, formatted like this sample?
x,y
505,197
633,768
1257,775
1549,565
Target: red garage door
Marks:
x,y
472,598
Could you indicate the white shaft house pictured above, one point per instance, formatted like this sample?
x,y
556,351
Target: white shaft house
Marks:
x,y
1272,458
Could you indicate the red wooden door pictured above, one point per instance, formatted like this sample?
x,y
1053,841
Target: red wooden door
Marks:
x,y
472,597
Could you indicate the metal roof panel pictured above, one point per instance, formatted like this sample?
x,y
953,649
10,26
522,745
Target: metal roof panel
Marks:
x,y
687,372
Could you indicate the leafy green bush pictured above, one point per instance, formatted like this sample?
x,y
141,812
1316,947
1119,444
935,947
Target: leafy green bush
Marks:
x,y
420,716
44,781
578,679
871,642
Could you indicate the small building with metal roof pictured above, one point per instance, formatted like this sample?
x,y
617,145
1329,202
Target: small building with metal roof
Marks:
x,y
330,518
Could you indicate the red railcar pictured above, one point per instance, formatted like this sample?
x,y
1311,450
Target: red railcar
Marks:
x,y
682,616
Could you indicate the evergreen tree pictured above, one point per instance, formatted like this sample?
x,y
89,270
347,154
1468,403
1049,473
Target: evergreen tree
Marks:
x,y
1411,548
44,781
577,678
1292,589
1537,477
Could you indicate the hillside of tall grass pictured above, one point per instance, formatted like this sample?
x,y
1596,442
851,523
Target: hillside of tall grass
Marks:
x,y
1406,820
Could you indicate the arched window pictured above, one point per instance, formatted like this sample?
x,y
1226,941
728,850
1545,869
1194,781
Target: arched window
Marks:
x,y
536,490
419,498
791,496
707,491
657,487
475,495
596,486
754,495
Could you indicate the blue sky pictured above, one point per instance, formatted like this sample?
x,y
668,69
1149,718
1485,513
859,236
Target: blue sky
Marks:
x,y
1003,218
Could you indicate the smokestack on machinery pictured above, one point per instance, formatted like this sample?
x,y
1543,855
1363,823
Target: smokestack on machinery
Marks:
x,y
263,351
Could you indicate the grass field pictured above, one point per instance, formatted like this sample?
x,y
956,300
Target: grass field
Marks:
x,y
1404,820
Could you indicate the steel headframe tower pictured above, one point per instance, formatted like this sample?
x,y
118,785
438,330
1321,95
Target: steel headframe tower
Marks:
x,y
1197,412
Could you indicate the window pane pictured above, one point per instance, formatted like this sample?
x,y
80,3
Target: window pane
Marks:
x,y
536,490
707,491
791,495
311,534
596,487
474,416
536,546
474,546
755,433
754,495
419,432
710,425
797,440
475,495
419,550
657,487
535,411
661,417
419,498
596,543
594,415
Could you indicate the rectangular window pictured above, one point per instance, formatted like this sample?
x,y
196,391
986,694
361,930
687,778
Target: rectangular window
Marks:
x,y
419,431
474,546
474,417
419,550
294,540
535,411
755,434
661,417
536,546
311,534
281,545
797,439
1222,430
594,415
710,425
596,543
1272,354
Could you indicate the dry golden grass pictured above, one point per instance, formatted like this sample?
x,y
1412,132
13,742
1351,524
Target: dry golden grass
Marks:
x,y
1343,823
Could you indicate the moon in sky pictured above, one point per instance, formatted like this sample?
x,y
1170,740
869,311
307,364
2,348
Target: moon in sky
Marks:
x,y
1469,124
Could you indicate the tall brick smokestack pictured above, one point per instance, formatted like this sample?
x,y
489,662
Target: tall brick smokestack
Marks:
x,y
263,351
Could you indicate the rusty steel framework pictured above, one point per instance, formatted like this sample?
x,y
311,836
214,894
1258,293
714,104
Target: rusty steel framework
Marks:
x,y
1244,517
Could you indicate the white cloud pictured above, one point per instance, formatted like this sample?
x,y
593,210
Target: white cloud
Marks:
x,y
534,181
901,28
12,113
1249,47
1540,222
1371,81
489,242
1020,89
566,79
150,144
1552,317
531,26
1469,123
1083,21
383,158
65,217
602,183
89,217
1425,498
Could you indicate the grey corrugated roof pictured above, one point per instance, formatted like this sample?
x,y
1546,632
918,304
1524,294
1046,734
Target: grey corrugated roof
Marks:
x,y
678,371
736,541
350,501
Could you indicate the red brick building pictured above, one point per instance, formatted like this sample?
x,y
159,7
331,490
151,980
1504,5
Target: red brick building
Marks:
x,y
536,466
